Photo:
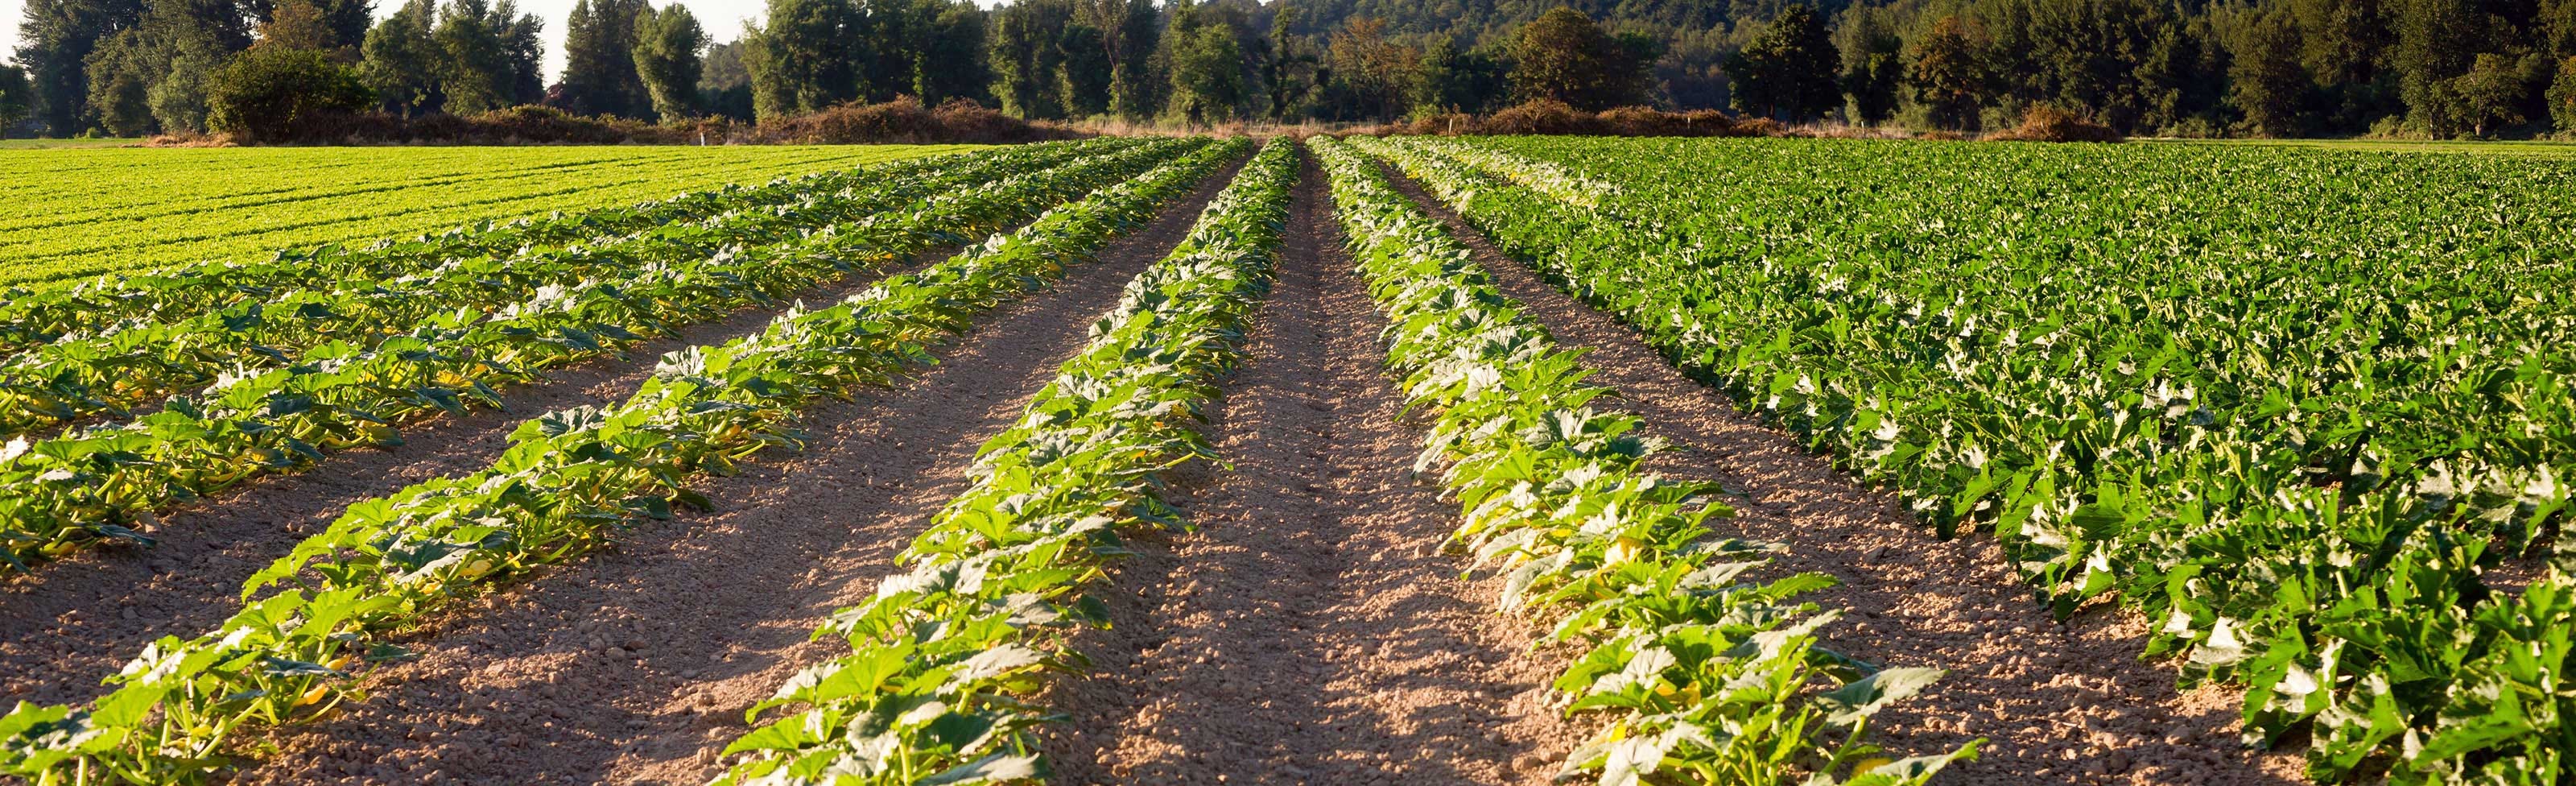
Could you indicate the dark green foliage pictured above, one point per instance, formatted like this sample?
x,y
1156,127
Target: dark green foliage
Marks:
x,y
601,75
1562,55
1025,58
400,59
952,63
2562,95
667,46
1452,80
1948,74
1873,67
724,82
269,91
13,97
1085,75
800,61
55,39
1136,92
1788,72
2266,83
1207,73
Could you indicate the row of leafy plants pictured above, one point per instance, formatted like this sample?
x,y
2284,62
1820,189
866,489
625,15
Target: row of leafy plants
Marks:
x,y
2297,439
1703,675
29,318
138,362
947,660
108,483
565,483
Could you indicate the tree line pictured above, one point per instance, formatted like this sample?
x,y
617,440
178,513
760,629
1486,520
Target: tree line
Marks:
x,y
2181,67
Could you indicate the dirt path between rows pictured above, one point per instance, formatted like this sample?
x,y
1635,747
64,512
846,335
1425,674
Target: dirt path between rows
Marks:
x,y
2057,703
1310,631
70,623
635,664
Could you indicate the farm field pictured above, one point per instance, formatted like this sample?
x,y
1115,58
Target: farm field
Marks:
x,y
66,214
1407,460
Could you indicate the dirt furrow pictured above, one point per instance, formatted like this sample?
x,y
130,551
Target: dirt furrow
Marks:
x,y
69,623
2058,703
1310,631
635,664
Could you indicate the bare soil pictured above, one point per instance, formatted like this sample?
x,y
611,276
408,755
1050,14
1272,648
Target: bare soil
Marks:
x,y
2057,703
69,623
1310,631
635,664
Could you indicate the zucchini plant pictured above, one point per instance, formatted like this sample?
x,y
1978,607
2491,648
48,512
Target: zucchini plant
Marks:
x,y
566,481
107,484
947,660
2297,441
1703,675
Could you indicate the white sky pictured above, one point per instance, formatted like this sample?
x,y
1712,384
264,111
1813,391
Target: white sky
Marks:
x,y
722,18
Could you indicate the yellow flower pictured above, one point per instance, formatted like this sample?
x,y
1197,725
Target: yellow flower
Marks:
x,y
1624,550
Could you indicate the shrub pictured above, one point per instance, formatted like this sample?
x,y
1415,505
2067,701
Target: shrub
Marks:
x,y
905,121
2044,123
1543,116
272,93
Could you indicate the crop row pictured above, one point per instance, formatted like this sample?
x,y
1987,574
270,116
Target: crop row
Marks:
x,y
107,483
2301,465
306,186
1704,676
44,259
137,363
946,661
564,482
29,318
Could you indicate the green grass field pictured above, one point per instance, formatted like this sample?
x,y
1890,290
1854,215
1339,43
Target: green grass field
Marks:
x,y
70,213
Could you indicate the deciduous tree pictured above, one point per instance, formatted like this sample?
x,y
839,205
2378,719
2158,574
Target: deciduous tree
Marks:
x,y
1563,55
667,46
1948,74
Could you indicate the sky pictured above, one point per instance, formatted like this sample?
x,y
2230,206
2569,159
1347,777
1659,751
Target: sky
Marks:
x,y
722,18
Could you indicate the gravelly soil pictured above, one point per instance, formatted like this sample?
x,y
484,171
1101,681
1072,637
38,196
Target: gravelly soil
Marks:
x,y
1310,631
70,623
2057,703
635,665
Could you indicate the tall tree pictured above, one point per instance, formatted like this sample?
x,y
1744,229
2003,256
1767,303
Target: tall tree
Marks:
x,y
2491,94
523,53
600,75
2267,82
801,60
1873,62
1135,91
55,39
1294,68
1455,80
1948,74
151,77
1379,72
1026,59
400,59
1563,55
2561,97
667,46
473,68
2437,42
953,63
1790,70
1207,74
1085,74
14,96
348,22
724,82
298,24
